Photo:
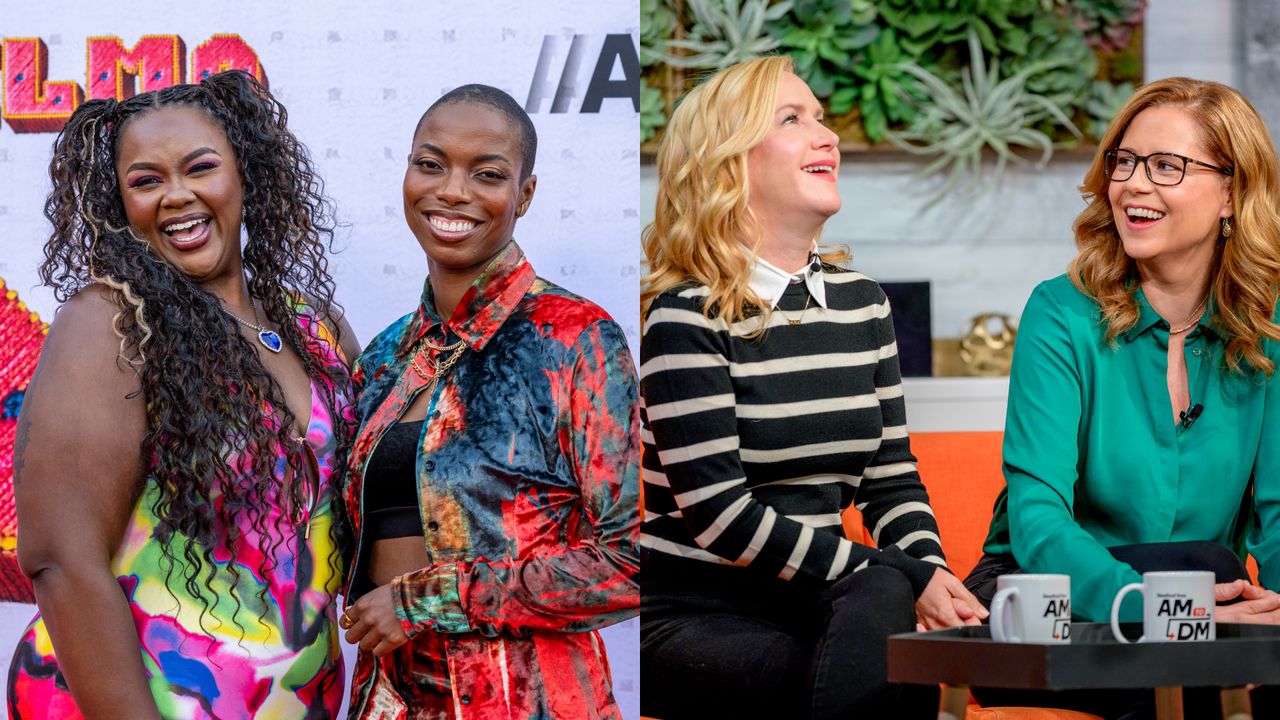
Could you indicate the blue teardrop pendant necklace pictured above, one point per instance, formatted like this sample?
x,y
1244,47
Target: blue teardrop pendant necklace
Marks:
x,y
269,338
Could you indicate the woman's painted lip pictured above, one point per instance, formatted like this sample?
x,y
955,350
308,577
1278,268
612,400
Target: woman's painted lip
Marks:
x,y
195,242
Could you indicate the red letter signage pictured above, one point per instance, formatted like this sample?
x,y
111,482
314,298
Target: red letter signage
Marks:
x,y
157,61
31,103
224,52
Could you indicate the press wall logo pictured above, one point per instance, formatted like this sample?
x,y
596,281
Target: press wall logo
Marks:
x,y
31,102
1184,620
615,74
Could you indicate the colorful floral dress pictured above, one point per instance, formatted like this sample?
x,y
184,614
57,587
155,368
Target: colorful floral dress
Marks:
x,y
261,646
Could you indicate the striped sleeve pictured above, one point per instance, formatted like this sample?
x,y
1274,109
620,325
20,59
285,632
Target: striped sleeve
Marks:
x,y
694,469
894,503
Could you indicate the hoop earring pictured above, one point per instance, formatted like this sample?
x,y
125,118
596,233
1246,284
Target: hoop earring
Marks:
x,y
1226,228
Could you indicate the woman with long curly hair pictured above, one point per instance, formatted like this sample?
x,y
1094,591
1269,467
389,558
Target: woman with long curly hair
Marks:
x,y
772,401
177,447
1143,428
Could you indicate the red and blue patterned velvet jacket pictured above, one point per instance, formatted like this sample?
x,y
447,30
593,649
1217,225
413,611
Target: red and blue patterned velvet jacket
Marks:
x,y
528,486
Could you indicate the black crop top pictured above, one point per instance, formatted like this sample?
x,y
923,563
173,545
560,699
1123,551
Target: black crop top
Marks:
x,y
390,485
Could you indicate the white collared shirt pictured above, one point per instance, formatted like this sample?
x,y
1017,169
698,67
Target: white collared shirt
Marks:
x,y
769,282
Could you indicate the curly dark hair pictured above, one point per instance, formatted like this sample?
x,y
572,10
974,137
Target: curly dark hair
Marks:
x,y
192,362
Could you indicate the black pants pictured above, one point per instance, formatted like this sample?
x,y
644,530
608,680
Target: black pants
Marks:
x,y
1124,704
731,644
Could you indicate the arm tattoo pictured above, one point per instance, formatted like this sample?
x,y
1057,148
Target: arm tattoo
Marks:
x,y
23,435
20,441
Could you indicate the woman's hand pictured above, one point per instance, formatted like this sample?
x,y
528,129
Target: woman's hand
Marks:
x,y
946,603
1254,604
373,622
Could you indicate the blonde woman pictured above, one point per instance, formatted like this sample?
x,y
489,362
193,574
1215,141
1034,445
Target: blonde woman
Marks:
x,y
1142,410
772,401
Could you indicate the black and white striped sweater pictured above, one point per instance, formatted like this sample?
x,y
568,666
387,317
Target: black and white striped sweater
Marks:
x,y
753,448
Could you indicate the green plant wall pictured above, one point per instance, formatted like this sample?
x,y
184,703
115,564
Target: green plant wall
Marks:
x,y
895,73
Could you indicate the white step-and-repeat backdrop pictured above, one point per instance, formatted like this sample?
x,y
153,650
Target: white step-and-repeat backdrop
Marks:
x,y
355,76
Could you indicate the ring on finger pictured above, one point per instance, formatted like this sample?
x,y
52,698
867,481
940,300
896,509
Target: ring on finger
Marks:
x,y
346,622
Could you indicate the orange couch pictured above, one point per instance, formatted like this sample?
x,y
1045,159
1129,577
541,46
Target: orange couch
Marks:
x,y
962,472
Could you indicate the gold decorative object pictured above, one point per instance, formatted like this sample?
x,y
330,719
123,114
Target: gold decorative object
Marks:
x,y
987,346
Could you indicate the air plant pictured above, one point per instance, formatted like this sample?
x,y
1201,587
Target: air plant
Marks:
x,y
657,22
987,112
725,32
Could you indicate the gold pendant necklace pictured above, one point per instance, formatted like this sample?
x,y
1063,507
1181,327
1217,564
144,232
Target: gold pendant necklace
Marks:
x,y
805,309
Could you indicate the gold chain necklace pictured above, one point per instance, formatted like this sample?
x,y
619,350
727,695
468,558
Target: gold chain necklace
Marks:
x,y
438,366
1192,319
797,321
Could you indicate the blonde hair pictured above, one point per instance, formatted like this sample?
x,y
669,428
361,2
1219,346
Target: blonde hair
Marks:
x,y
702,222
1244,280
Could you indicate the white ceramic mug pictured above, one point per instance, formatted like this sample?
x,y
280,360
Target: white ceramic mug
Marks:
x,y
1031,609
1176,607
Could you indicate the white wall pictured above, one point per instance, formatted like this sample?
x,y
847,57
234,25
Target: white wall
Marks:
x,y
355,77
1194,38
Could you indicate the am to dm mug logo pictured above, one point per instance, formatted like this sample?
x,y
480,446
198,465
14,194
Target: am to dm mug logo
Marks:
x,y
1184,621
1059,608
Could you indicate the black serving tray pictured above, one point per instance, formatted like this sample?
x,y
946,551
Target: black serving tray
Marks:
x,y
1242,654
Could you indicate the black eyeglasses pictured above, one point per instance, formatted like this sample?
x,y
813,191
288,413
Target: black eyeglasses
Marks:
x,y
1162,168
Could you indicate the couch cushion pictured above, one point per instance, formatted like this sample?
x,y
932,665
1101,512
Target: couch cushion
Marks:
x,y
963,475
1021,713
